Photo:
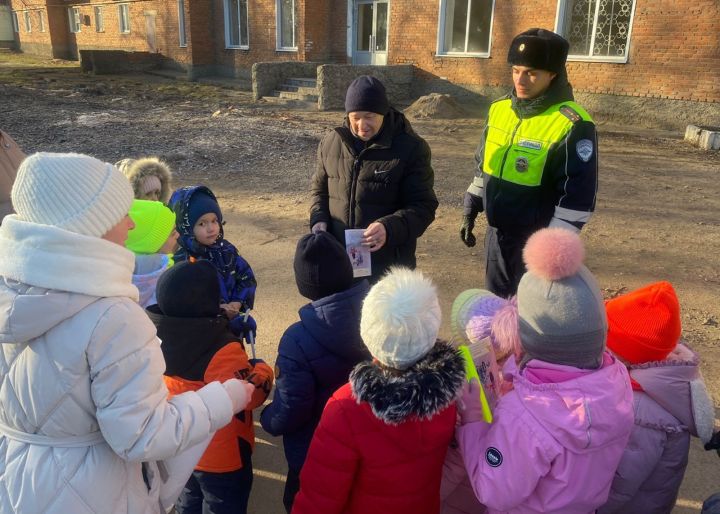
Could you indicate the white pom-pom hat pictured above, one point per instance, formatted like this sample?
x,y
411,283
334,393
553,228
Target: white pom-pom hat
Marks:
x,y
560,307
71,191
400,318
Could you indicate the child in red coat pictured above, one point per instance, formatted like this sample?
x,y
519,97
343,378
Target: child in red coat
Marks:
x,y
382,438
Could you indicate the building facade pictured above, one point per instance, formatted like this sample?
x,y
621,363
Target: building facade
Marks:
x,y
664,49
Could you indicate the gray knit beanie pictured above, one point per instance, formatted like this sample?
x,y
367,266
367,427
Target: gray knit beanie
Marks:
x,y
560,307
71,191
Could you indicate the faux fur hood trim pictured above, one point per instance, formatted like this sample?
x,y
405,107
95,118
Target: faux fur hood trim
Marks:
x,y
141,168
424,389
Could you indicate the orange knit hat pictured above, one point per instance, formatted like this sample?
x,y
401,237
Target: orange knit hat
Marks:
x,y
644,325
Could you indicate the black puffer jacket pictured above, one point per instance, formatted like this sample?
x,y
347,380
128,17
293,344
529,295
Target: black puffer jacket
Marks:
x,y
390,181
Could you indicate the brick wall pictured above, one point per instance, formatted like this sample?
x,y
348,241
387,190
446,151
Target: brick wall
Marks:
x,y
57,40
673,48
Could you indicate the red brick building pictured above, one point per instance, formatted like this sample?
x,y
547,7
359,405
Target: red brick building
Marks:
x,y
646,48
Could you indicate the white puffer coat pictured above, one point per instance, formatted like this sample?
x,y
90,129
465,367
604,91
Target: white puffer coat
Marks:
x,y
82,398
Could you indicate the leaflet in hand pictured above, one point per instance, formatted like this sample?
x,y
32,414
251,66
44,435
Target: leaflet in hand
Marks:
x,y
359,254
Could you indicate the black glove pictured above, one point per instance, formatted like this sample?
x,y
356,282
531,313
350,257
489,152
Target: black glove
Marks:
x,y
714,443
468,224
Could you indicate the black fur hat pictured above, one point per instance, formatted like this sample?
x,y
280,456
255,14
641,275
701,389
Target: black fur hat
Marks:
x,y
539,48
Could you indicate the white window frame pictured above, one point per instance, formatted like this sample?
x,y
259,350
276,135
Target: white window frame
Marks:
x,y
41,22
226,5
560,28
182,34
28,22
16,24
99,18
74,19
278,28
124,18
440,52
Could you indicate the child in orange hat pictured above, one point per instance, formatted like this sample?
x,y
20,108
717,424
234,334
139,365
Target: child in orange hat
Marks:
x,y
670,397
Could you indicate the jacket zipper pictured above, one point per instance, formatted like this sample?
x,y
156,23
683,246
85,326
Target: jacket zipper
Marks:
x,y
353,186
512,137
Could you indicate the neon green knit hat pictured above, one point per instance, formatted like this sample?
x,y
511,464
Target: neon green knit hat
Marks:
x,y
153,224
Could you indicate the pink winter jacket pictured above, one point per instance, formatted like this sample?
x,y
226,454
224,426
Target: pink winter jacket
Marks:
x,y
673,405
554,444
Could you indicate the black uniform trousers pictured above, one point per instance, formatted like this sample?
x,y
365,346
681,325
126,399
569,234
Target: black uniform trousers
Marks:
x,y
504,266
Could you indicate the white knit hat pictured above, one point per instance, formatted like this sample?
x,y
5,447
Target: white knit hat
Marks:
x,y
74,192
400,318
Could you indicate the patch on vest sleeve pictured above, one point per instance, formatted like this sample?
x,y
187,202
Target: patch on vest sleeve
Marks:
x,y
493,457
570,113
584,149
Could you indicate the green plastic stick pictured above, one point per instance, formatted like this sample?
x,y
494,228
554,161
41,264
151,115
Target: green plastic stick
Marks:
x,y
471,372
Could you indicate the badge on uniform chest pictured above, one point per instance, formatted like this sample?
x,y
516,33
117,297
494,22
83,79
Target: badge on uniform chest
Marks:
x,y
522,164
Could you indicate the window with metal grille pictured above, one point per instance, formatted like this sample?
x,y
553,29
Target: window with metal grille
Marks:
x,y
465,27
597,29
74,19
285,10
124,18
236,24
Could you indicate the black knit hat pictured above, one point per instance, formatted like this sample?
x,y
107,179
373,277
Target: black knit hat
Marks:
x,y
539,48
366,93
322,266
189,290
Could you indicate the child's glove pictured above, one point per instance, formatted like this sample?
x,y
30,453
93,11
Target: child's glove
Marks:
x,y
240,393
244,328
469,406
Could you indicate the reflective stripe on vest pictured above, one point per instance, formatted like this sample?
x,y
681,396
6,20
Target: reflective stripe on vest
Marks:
x,y
516,150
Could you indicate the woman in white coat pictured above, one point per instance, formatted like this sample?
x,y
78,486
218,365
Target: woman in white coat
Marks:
x,y
84,414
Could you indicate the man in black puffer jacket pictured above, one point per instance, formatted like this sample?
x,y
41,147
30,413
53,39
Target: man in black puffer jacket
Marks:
x,y
374,173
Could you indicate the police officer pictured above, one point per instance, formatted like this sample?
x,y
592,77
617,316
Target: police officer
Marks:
x,y
536,162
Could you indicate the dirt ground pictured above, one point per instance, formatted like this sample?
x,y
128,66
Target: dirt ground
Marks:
x,y
657,214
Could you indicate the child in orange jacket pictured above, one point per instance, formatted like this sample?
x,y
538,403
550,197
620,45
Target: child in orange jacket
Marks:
x,y
199,347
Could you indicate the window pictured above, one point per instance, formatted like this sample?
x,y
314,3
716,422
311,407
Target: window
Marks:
x,y
124,18
74,18
465,27
286,25
99,20
181,22
236,24
41,21
28,26
597,29
16,27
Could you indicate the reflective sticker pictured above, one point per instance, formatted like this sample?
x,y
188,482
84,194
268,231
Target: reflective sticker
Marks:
x,y
584,149
522,164
493,457
529,143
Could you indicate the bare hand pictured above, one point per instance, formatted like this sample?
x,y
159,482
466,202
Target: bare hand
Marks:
x,y
374,236
318,227
231,309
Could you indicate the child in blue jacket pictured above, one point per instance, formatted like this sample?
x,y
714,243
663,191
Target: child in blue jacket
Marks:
x,y
199,222
317,353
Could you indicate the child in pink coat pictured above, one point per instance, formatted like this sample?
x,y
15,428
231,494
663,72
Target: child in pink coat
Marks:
x,y
670,399
558,435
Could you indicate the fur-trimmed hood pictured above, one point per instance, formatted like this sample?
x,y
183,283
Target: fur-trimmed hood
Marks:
x,y
138,169
424,389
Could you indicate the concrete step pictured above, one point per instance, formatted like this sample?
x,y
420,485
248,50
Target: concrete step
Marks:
x,y
302,82
299,89
289,95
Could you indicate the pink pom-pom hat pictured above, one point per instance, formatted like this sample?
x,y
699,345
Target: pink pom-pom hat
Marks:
x,y
553,253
